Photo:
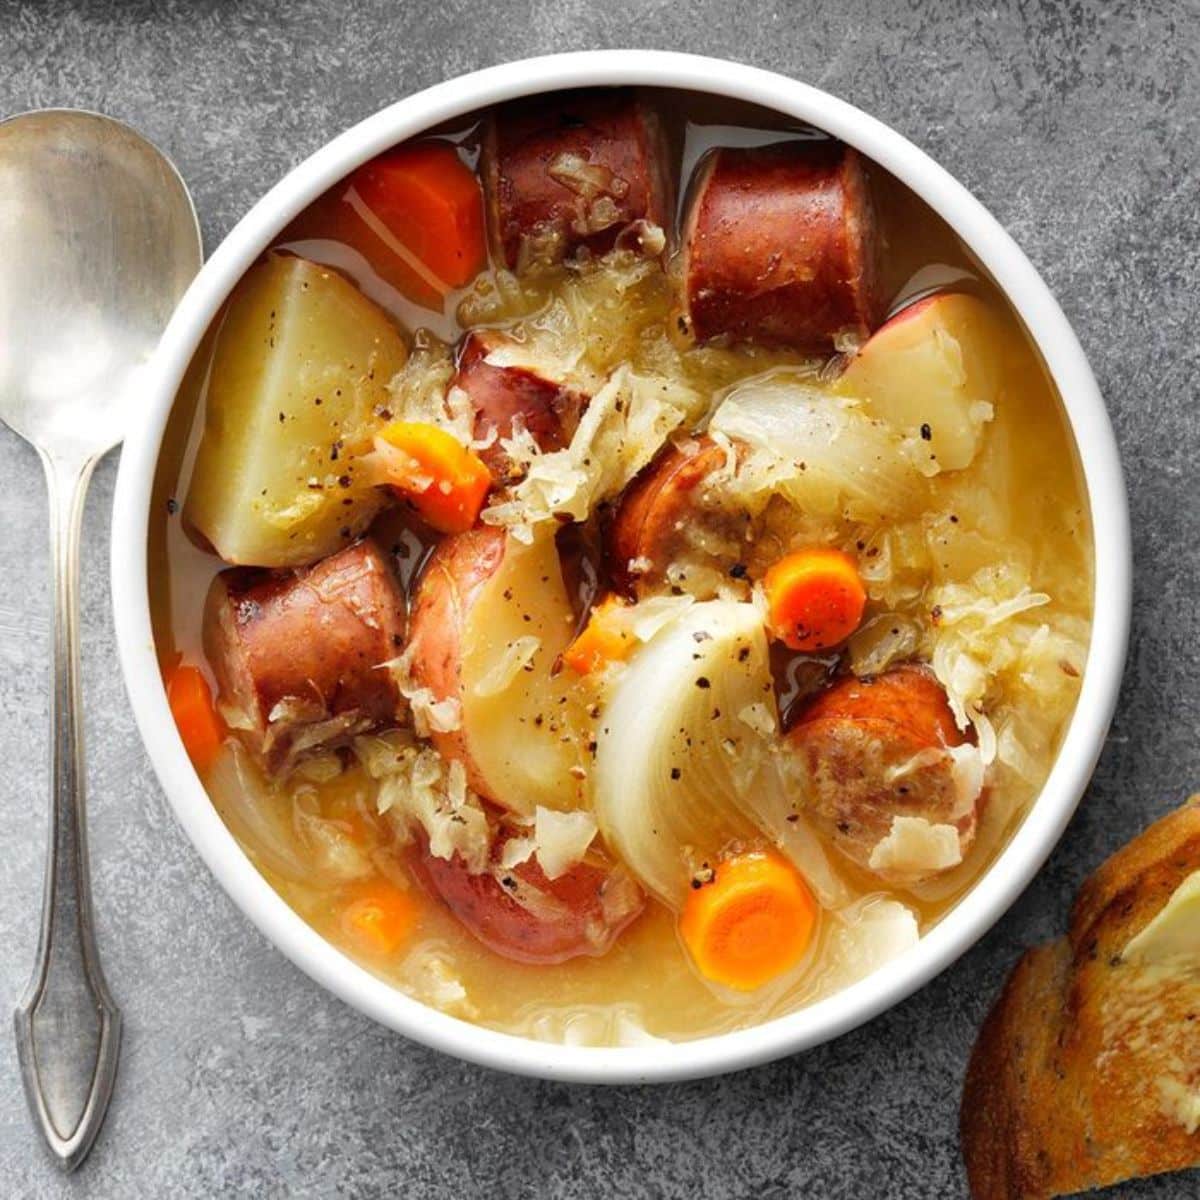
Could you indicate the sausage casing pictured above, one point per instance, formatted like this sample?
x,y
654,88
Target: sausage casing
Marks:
x,y
781,247
873,750
665,520
572,172
298,655
514,392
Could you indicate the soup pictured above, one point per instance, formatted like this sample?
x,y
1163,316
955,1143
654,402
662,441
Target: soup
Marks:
x,y
620,568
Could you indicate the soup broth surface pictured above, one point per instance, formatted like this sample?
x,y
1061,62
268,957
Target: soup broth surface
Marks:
x,y
1018,510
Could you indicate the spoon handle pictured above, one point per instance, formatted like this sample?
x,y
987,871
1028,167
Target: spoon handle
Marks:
x,y
68,1028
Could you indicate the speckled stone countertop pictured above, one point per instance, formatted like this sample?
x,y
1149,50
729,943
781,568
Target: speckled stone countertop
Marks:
x,y
1077,124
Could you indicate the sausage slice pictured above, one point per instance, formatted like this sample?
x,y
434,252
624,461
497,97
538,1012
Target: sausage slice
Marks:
x,y
522,915
297,655
571,171
874,750
515,391
666,518
781,247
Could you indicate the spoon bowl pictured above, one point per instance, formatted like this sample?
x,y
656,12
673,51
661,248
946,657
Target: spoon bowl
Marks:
x,y
98,240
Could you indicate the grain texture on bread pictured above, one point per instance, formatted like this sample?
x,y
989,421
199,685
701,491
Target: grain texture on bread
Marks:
x,y
1086,1069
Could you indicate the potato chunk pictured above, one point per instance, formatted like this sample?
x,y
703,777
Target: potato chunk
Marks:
x,y
298,380
489,620
523,719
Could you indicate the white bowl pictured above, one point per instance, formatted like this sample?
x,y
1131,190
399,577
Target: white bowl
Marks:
x,y
991,895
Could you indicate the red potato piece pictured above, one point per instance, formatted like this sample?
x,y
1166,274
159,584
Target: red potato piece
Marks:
x,y
453,578
571,171
297,653
490,617
663,519
549,410
781,247
522,915
933,371
863,747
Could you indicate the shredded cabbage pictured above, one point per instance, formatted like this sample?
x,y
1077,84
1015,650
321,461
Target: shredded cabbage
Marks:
x,y
418,789
916,847
562,839
428,977
421,390
625,424
429,715
1002,665
518,656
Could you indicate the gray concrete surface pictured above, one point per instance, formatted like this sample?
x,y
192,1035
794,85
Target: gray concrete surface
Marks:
x,y
1077,123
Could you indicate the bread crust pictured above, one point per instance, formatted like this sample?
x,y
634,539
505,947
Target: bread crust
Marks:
x,y
1064,1088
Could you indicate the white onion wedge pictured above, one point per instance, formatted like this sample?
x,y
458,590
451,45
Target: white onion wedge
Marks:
x,y
680,774
822,453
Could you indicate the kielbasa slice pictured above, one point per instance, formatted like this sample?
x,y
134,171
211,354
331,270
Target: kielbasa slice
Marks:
x,y
571,171
520,913
873,750
297,655
781,247
513,392
665,518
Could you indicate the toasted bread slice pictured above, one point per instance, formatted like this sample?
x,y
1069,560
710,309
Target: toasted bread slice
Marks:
x,y
1087,1071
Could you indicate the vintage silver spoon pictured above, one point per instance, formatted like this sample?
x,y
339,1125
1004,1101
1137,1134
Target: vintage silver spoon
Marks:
x,y
98,240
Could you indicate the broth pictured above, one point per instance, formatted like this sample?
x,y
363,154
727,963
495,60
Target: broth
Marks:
x,y
645,986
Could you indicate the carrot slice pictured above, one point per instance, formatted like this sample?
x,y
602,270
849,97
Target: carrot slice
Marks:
x,y
605,638
443,480
752,922
419,208
196,717
379,917
815,598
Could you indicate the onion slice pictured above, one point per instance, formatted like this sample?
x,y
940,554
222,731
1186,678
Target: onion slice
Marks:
x,y
680,774
822,453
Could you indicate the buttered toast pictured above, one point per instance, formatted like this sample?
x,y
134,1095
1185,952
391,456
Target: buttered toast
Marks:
x,y
1087,1070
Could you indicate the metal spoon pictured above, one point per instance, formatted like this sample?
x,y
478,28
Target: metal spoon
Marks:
x,y
98,240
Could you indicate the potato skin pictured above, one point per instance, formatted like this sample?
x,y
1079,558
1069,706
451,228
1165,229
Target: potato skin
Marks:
x,y
549,410
310,641
456,572
521,735
610,129
781,247
592,902
848,739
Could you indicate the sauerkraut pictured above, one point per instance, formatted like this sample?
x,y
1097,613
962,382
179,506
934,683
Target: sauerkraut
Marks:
x,y
422,793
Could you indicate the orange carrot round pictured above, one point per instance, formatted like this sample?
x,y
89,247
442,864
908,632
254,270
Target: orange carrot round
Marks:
x,y
815,598
751,922
379,917
196,717
443,480
419,209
